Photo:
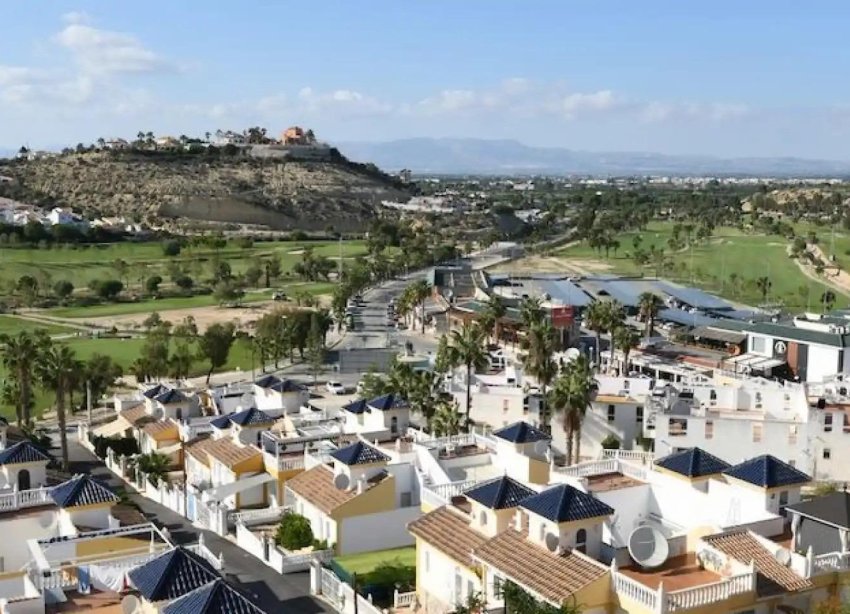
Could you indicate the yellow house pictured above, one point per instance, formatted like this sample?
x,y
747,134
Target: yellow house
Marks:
x,y
228,471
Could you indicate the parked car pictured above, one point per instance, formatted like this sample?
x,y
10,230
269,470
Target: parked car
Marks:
x,y
335,387
279,296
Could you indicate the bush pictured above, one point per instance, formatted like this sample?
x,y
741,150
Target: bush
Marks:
x,y
611,442
184,282
171,247
106,288
294,532
392,574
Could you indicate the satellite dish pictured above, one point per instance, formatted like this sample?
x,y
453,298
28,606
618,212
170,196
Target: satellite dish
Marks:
x,y
648,547
552,542
342,482
131,605
573,353
783,557
541,447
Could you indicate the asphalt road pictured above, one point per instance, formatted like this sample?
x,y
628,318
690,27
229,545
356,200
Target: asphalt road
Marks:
x,y
271,591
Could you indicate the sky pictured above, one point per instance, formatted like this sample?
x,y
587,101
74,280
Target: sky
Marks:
x,y
719,77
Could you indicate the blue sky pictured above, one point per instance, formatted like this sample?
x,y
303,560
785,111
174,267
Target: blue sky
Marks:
x,y
753,78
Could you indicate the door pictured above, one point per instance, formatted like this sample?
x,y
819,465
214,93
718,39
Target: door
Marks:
x,y
24,479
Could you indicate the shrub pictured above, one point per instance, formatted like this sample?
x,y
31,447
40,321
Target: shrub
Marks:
x,y
392,574
171,247
294,532
611,442
184,282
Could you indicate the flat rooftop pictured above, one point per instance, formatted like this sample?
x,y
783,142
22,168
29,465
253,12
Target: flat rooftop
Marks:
x,y
677,573
611,481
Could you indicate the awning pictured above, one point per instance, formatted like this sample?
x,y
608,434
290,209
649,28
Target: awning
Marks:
x,y
112,429
717,334
754,362
219,493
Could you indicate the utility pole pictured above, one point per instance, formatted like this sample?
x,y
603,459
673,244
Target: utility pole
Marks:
x,y
88,399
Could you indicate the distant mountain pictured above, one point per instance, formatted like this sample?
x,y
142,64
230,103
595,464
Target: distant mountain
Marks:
x,y
494,157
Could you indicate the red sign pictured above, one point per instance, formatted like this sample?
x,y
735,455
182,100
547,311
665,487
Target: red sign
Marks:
x,y
562,317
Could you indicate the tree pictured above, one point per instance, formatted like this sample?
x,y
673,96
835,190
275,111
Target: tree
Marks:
x,y
184,282
121,268
649,305
57,366
27,287
625,339
171,248
101,372
603,316
419,291
540,344
252,275
294,532
106,289
316,347
495,310
446,420
763,284
827,300
214,345
530,311
154,465
20,355
228,293
571,396
152,284
63,289
466,348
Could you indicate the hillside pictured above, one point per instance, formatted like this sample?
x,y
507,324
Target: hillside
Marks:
x,y
165,187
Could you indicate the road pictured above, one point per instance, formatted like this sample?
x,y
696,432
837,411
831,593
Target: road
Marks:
x,y
270,590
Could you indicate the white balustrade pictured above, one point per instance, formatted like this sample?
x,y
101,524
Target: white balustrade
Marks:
x,y
25,498
640,456
708,594
249,517
589,468
404,600
634,590
288,464
831,561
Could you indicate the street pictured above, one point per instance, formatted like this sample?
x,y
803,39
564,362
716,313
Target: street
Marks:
x,y
268,589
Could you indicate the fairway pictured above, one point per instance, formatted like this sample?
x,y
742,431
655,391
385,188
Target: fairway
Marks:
x,y
11,325
728,264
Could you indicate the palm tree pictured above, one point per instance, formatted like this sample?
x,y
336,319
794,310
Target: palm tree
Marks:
x,y
601,317
154,465
625,339
466,348
649,305
446,419
57,365
763,284
419,291
540,344
495,311
20,355
571,396
827,299
530,311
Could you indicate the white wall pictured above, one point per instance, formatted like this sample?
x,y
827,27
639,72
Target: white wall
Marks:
x,y
596,426
323,526
377,531
822,362
26,525
290,402
96,518
9,474
437,573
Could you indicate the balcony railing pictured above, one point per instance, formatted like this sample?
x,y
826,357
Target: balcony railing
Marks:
x,y
829,562
25,498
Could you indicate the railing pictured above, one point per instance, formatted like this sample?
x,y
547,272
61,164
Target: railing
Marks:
x,y
445,492
466,439
631,589
201,549
25,498
597,467
831,561
707,594
404,600
290,463
638,472
315,458
297,562
645,458
249,517
331,588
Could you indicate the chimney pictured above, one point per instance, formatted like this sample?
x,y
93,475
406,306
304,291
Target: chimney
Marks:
x,y
361,485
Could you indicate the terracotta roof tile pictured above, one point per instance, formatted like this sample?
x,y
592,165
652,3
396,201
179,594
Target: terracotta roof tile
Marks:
x,y
197,449
772,577
228,453
316,486
449,532
136,415
553,577
161,429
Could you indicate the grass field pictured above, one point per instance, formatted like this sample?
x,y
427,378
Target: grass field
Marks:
x,y
85,263
727,264
11,325
364,562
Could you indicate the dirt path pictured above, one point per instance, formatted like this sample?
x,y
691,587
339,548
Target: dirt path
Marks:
x,y
839,282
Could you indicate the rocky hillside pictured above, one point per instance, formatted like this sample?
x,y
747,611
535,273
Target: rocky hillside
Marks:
x,y
167,188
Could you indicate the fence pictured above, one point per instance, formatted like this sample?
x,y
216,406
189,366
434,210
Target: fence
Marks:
x,y
597,467
831,561
714,593
260,516
20,499
440,494
404,600
264,548
339,594
635,591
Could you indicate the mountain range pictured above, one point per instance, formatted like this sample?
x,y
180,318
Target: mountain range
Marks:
x,y
510,157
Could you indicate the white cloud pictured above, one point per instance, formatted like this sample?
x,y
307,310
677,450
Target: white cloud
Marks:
x,y
76,17
105,52
341,102
574,104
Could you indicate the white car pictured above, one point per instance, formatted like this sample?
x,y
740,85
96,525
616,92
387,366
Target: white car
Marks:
x,y
335,388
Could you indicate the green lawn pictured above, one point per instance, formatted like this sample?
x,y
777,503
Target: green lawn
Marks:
x,y
727,264
10,325
364,562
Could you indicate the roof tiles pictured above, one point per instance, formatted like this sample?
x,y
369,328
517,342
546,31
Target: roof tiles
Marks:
x,y
172,575
449,532
521,432
217,597
564,503
359,453
693,463
768,472
82,490
499,493
22,452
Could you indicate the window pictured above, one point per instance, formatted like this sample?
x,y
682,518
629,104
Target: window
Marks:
x,y
757,344
612,412
179,413
827,423
498,588
542,532
827,454
757,431
847,423
406,499
483,518
639,414
709,429
783,499
505,404
394,425
581,540
792,435
678,427
626,384
712,396
427,561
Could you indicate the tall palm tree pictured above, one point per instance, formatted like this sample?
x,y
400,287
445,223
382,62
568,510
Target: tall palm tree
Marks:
x,y
530,311
625,339
649,305
540,344
495,311
56,367
601,317
20,355
466,348
154,465
763,284
419,291
571,396
446,419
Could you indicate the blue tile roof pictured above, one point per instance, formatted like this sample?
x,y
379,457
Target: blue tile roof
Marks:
x,y
170,395
251,416
359,453
172,575
154,391
388,401
267,380
217,597
222,422
521,432
499,493
82,490
768,472
22,452
287,385
360,406
564,503
693,462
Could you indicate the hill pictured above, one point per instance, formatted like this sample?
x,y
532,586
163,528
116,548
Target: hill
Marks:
x,y
282,194
508,157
